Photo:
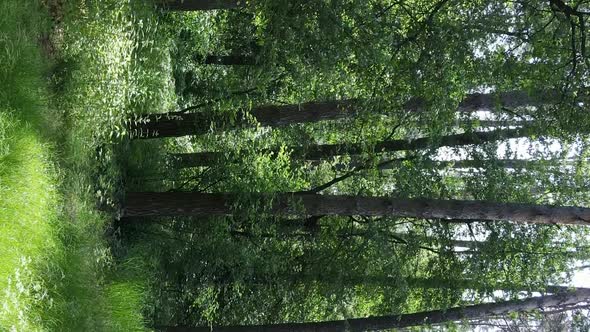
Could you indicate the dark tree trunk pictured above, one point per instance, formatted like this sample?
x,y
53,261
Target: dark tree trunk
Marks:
x,y
508,163
230,60
145,204
191,5
330,150
412,282
181,124
177,124
465,163
321,152
489,101
503,163
479,311
495,123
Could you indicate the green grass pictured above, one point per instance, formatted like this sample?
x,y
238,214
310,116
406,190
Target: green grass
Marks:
x,y
59,157
28,196
27,224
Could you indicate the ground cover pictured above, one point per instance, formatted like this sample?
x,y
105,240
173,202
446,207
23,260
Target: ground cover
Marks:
x,y
68,82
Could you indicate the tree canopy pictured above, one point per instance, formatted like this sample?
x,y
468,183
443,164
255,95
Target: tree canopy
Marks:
x,y
338,159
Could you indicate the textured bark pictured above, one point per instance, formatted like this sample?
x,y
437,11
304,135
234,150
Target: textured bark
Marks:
x,y
411,282
495,123
230,60
321,152
503,163
143,204
479,311
177,124
191,5
466,163
489,101
330,150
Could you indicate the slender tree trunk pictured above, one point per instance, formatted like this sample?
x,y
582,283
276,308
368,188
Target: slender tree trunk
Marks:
x,y
181,124
478,311
191,5
495,123
503,163
145,204
412,282
230,60
465,163
330,150
489,101
321,152
177,124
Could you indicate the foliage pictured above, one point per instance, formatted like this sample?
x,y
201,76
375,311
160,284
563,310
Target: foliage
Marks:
x,y
57,269
255,267
69,262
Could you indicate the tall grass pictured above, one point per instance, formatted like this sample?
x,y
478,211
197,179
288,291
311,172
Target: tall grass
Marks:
x,y
28,196
57,271
28,240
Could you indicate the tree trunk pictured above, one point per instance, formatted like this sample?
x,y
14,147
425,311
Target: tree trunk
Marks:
x,y
145,204
489,101
466,163
503,163
177,124
493,123
181,124
478,311
230,60
412,282
330,150
321,152
191,5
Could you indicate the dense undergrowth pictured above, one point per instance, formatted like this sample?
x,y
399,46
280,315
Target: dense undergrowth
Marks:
x,y
63,100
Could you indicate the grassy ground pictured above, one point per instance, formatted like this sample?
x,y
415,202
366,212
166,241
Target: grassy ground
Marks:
x,y
63,100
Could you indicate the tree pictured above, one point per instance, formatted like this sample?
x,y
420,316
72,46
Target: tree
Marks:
x,y
478,311
182,123
230,60
190,5
415,66
175,124
326,151
200,204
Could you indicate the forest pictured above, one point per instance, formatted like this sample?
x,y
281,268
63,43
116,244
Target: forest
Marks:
x,y
294,165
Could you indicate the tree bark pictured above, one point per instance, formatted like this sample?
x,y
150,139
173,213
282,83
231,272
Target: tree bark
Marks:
x,y
177,124
145,204
478,311
192,5
230,60
489,101
463,164
181,124
412,282
326,151
330,150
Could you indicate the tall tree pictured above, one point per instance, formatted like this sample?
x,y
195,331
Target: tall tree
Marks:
x,y
175,124
478,311
326,151
190,5
182,123
143,204
230,60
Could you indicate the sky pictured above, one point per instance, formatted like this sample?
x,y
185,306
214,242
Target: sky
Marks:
x,y
524,148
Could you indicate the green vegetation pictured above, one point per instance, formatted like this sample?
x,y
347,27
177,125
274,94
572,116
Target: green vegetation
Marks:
x,y
57,270
279,161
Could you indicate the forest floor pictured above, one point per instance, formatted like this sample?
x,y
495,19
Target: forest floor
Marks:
x,y
69,75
